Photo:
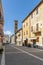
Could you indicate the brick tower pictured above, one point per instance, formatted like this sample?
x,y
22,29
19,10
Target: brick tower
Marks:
x,y
1,24
15,28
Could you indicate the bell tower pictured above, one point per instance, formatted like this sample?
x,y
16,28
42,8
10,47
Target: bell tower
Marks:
x,y
15,28
1,23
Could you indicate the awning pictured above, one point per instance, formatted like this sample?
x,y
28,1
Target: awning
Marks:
x,y
32,38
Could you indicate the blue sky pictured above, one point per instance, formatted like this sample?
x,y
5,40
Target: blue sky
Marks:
x,y
16,10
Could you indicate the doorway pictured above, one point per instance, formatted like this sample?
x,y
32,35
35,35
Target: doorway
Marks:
x,y
34,43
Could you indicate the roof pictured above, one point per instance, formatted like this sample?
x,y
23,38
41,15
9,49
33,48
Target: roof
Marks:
x,y
12,35
18,30
32,10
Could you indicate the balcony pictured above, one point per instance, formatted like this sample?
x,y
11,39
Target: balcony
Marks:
x,y
37,30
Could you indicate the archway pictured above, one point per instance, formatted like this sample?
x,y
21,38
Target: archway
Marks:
x,y
34,43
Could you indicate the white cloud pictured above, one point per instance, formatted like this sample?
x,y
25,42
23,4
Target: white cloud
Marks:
x,y
8,33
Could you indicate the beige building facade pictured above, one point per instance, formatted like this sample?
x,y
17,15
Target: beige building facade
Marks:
x,y
32,27
19,37
26,31
36,20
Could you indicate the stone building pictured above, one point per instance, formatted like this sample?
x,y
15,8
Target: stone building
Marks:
x,y
6,38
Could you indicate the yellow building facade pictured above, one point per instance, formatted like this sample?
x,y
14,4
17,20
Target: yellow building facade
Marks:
x,y
26,30
19,37
36,20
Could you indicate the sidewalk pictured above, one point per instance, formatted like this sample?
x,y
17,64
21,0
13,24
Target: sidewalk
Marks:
x,y
3,56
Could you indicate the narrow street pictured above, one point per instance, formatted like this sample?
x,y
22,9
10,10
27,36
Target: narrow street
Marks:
x,y
23,56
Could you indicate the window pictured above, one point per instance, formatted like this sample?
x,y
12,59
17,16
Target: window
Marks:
x,y
16,27
32,16
26,24
37,26
37,11
31,28
16,24
26,32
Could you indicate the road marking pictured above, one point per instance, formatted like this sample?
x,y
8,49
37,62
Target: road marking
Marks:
x,y
41,59
3,58
36,49
14,52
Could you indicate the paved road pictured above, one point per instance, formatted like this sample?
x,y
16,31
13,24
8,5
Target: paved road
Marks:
x,y
23,56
